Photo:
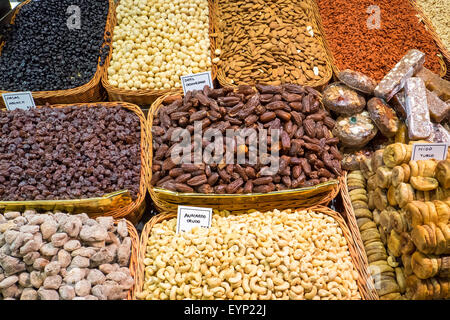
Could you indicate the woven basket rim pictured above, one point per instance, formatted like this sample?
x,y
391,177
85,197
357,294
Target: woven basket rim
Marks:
x,y
96,78
123,211
336,70
133,234
159,92
139,282
221,76
227,195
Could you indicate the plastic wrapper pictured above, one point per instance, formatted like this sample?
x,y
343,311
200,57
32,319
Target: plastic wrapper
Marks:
x,y
383,116
342,99
355,131
394,81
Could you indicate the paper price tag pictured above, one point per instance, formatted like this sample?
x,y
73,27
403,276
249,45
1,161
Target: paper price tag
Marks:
x,y
426,151
190,217
19,100
196,81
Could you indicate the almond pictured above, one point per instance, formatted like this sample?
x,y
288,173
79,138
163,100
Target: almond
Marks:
x,y
264,41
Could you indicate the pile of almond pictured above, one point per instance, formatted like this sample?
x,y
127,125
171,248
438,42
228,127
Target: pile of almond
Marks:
x,y
272,41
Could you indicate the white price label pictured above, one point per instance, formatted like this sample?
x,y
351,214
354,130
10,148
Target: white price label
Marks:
x,y
196,81
190,217
19,100
426,151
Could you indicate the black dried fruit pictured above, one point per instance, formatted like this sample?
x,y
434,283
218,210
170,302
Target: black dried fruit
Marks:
x,y
45,51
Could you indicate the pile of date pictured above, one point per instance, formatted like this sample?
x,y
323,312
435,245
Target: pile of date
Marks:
x,y
304,155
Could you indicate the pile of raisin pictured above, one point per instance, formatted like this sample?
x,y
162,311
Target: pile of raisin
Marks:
x,y
44,49
68,153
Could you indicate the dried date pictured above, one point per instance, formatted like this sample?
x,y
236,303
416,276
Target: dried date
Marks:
x,y
181,187
235,185
197,180
267,116
183,178
283,115
307,150
205,188
310,127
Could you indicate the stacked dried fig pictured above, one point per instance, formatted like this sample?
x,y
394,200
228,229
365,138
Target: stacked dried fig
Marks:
x,y
402,209
63,257
308,153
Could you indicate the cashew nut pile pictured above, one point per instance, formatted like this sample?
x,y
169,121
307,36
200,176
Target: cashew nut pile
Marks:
x,y
255,256
155,42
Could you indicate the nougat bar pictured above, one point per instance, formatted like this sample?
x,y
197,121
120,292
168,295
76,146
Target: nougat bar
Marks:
x,y
439,110
394,81
417,114
435,83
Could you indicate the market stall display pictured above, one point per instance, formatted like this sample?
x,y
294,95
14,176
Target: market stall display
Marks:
x,y
301,261
271,42
58,256
304,153
59,61
358,39
74,152
266,148
156,43
405,205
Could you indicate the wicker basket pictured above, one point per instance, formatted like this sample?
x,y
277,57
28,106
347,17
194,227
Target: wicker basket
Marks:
x,y
363,280
168,201
447,75
118,204
133,234
332,59
136,215
429,26
147,97
89,92
221,74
